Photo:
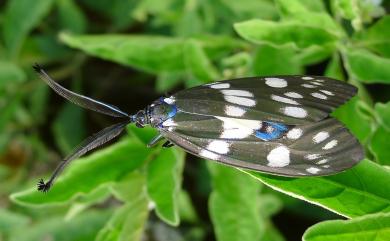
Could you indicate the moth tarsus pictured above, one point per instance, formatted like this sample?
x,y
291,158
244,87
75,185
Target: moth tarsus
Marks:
x,y
275,124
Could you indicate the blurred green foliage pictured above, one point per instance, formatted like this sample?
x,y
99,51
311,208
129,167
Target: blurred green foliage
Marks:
x,y
129,52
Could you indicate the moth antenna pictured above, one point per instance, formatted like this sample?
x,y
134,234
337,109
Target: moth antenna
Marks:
x,y
81,100
88,144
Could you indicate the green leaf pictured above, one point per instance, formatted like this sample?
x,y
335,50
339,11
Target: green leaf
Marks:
x,y
20,17
127,223
245,9
234,205
309,13
347,9
130,187
383,114
69,128
11,220
334,69
292,7
58,229
144,135
377,37
97,196
314,54
197,63
168,80
351,193
217,46
269,60
375,227
153,54
38,101
378,144
186,208
164,175
367,67
282,33
86,174
10,74
71,16
354,114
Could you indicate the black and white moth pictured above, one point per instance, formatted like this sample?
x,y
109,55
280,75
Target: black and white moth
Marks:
x,y
276,124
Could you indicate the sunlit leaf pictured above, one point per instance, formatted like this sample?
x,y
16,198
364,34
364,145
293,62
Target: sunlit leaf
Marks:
x,y
234,205
153,54
164,175
127,223
269,60
370,227
55,228
197,62
350,194
286,32
88,173
354,114
367,67
378,144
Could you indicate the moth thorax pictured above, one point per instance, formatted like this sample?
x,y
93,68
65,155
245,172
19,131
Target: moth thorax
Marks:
x,y
161,112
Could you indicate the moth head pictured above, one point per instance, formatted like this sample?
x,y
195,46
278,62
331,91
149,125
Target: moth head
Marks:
x,y
140,119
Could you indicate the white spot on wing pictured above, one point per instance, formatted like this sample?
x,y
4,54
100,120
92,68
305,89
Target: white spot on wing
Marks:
x,y
279,157
309,86
307,78
169,122
221,147
296,112
209,155
234,111
313,170
294,133
169,100
284,99
323,161
238,128
240,123
237,93
240,100
237,133
330,145
312,156
293,95
220,86
317,83
327,92
319,96
320,136
276,82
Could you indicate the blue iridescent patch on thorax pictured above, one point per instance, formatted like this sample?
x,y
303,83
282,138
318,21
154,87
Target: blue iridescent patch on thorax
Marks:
x,y
271,130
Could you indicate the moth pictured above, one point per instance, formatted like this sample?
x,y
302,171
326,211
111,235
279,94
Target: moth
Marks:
x,y
276,124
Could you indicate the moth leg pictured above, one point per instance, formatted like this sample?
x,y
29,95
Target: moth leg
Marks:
x,y
154,141
168,144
